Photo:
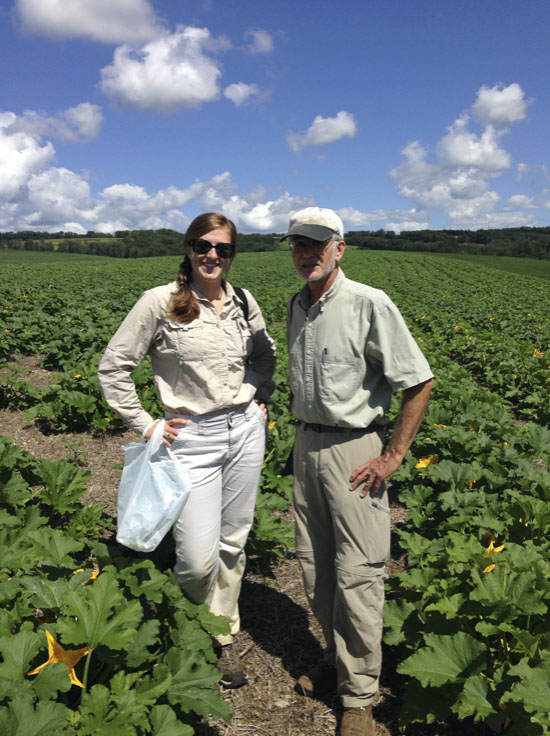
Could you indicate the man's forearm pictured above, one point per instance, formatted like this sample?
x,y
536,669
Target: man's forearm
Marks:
x,y
409,419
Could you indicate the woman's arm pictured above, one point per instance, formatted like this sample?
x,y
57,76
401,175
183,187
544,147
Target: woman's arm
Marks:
x,y
125,351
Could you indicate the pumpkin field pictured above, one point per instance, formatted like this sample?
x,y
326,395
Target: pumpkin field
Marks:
x,y
467,618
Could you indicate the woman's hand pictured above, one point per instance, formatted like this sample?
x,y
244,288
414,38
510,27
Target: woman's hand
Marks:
x,y
263,407
171,430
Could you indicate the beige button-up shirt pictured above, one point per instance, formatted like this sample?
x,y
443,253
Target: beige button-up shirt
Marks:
x,y
215,362
348,353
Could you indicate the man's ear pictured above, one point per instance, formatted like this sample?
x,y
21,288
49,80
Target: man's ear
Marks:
x,y
340,248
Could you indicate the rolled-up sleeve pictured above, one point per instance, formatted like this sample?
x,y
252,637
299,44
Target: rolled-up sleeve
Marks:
x,y
392,345
263,356
125,351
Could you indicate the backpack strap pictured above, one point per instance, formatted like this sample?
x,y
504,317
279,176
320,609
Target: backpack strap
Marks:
x,y
241,296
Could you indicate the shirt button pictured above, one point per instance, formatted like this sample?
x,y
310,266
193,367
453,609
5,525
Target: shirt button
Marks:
x,y
310,324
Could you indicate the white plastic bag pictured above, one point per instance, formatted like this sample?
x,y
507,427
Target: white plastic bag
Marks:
x,y
152,493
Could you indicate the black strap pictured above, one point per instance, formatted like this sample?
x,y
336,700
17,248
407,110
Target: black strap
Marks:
x,y
241,296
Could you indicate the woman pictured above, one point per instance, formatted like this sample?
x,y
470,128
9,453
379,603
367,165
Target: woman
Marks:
x,y
213,369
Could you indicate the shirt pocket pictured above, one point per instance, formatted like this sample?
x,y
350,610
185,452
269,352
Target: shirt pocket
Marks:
x,y
187,341
339,377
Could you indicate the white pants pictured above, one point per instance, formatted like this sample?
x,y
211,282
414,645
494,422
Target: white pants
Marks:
x,y
223,455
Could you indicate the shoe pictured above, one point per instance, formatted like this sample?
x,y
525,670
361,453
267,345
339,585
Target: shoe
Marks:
x,y
231,667
317,681
357,722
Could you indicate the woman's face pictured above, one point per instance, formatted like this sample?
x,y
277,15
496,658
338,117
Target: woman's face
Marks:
x,y
208,268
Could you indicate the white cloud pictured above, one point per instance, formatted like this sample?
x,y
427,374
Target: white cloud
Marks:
x,y
455,183
408,225
57,195
168,73
460,147
500,105
109,21
323,131
260,42
240,93
523,201
21,156
75,124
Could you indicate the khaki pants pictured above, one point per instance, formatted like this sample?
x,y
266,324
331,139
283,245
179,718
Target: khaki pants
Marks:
x,y
342,543
223,455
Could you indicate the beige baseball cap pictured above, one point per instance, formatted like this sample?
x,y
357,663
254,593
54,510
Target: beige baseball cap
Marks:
x,y
317,223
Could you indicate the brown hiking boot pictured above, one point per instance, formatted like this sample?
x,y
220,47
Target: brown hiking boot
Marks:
x,y
357,722
231,667
317,681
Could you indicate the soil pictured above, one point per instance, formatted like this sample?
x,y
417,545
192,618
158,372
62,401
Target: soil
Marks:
x,y
279,639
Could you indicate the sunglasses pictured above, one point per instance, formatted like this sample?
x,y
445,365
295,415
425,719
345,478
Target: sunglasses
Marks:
x,y
200,246
299,246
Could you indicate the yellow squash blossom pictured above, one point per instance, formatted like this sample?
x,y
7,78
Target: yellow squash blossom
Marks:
x,y
491,548
93,576
272,424
489,568
56,653
425,461
440,426
537,353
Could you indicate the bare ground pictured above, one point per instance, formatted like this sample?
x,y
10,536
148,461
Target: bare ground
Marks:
x,y
279,637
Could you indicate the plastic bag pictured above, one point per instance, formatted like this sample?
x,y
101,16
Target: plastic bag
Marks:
x,y
152,493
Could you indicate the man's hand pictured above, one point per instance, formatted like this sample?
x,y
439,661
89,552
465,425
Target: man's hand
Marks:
x,y
373,473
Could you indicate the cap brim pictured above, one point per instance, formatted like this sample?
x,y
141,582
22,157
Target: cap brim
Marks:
x,y
315,232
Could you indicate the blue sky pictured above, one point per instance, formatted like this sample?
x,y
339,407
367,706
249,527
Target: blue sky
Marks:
x,y
399,114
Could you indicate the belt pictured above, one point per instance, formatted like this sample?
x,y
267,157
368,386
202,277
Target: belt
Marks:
x,y
327,428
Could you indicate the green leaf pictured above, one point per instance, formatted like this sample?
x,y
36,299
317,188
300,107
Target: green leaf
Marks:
x,y
192,686
396,612
17,652
141,649
445,659
53,547
165,723
473,701
63,483
100,614
533,691
25,720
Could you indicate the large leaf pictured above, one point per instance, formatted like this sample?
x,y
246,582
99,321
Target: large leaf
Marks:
x,y
23,719
445,659
100,614
165,723
52,547
17,652
63,483
192,686
473,700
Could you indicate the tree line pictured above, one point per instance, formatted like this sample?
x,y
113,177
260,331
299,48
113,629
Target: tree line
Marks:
x,y
121,244
531,242
523,242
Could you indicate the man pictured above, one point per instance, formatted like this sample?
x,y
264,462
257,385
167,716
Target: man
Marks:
x,y
349,350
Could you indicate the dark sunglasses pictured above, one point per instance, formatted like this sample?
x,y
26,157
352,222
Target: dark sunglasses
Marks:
x,y
200,246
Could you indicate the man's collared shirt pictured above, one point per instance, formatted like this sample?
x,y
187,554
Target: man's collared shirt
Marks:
x,y
214,362
348,353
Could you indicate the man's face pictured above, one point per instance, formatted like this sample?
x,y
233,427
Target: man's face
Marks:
x,y
313,259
